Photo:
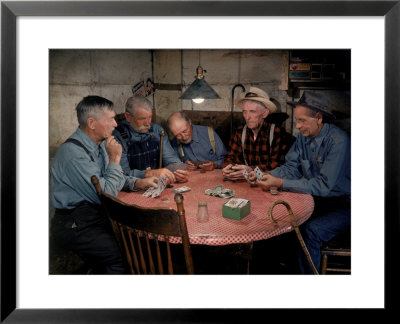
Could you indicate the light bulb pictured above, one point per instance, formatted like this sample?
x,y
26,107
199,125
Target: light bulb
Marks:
x,y
198,100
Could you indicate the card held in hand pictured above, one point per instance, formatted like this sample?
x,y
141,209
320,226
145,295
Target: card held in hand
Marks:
x,y
258,173
246,175
162,183
155,192
149,192
176,166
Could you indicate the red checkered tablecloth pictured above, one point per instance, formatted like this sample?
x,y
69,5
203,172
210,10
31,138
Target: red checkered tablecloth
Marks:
x,y
220,230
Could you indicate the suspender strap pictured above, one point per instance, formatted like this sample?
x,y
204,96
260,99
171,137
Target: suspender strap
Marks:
x,y
180,149
212,141
243,139
211,137
271,137
76,142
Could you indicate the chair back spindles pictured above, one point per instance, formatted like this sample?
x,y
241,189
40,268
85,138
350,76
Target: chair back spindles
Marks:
x,y
339,248
133,251
150,255
159,261
141,254
169,258
153,228
126,249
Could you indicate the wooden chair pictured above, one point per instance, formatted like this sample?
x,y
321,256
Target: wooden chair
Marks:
x,y
142,233
339,246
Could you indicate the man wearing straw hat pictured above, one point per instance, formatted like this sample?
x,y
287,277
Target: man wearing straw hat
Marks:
x,y
318,164
258,143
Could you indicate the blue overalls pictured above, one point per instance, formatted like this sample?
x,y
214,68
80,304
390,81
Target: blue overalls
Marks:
x,y
141,155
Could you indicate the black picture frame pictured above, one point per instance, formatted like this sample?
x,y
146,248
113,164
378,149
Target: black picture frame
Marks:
x,y
11,10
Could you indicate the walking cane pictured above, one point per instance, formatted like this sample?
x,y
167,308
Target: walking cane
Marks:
x,y
296,228
161,148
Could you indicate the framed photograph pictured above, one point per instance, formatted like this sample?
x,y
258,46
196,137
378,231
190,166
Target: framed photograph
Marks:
x,y
247,24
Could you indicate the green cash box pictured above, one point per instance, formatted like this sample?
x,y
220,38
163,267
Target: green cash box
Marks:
x,y
236,208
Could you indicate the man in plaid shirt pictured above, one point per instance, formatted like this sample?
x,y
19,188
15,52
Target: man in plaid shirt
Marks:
x,y
258,143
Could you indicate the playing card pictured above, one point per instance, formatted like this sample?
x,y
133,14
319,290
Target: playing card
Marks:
x,y
198,163
176,166
246,175
181,189
162,183
258,173
149,192
155,192
236,203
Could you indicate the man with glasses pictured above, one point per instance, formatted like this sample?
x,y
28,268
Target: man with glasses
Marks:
x,y
318,164
196,144
258,142
141,144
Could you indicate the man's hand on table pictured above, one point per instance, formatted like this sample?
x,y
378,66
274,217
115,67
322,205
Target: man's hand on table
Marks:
x,y
163,172
208,166
176,176
181,176
234,172
191,166
146,183
268,181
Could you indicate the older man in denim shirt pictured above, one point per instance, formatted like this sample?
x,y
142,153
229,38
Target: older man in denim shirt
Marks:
x,y
318,163
79,222
196,143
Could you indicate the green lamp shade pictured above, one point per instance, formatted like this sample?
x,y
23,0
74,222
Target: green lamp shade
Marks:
x,y
200,89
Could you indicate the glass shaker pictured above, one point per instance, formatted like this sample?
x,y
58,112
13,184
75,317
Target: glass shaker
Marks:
x,y
202,212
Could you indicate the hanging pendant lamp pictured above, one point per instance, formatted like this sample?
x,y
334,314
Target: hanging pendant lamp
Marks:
x,y
199,89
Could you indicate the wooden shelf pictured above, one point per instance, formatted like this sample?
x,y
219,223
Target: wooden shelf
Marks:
x,y
319,84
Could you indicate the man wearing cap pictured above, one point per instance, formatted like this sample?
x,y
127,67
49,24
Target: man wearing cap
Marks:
x,y
318,164
258,143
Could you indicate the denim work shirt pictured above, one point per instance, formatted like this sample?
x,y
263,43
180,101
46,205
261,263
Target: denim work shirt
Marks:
x,y
72,169
169,155
318,166
200,149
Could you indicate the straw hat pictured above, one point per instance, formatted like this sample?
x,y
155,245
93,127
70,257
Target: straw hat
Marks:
x,y
259,95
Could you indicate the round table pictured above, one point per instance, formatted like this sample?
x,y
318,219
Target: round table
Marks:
x,y
220,230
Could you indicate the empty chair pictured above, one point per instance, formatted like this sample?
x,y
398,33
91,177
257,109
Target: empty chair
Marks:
x,y
144,233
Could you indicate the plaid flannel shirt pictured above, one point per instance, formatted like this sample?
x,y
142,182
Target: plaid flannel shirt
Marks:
x,y
258,152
